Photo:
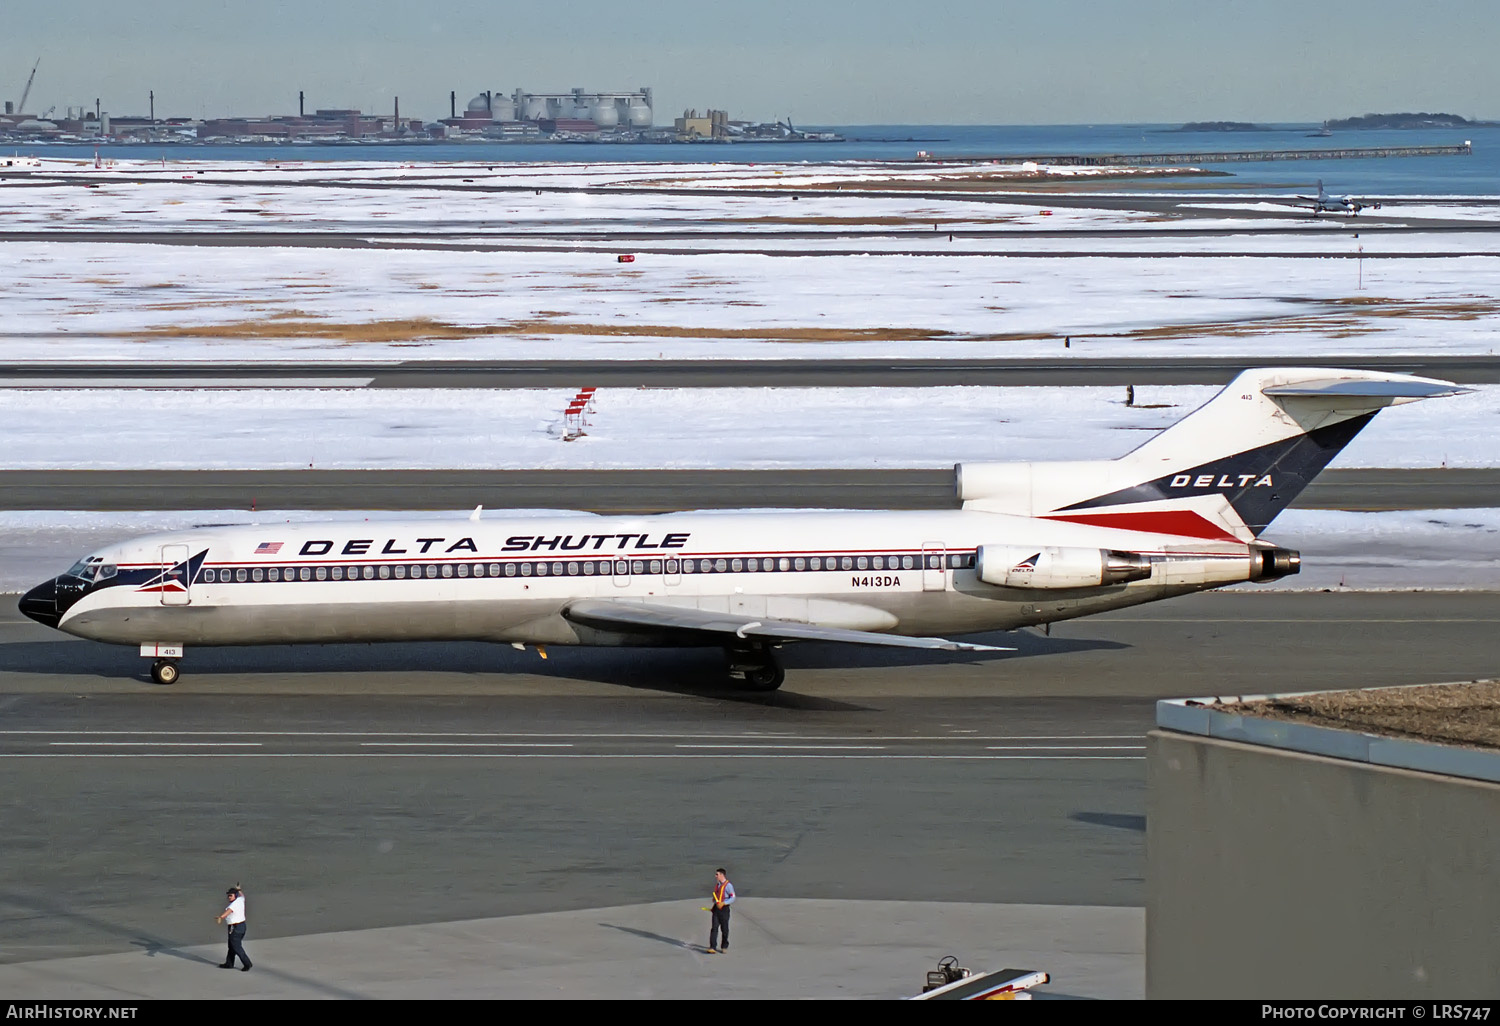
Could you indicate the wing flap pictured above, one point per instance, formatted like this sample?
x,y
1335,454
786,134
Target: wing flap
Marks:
x,y
641,617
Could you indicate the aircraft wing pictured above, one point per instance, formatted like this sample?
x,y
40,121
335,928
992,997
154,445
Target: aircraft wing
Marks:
x,y
643,618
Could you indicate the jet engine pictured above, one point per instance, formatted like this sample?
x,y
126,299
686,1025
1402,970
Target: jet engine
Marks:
x,y
1053,566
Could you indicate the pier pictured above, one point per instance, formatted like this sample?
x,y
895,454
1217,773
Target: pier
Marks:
x,y
1211,157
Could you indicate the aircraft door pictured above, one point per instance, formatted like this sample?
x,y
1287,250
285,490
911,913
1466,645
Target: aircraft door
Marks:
x,y
934,560
672,572
175,583
621,571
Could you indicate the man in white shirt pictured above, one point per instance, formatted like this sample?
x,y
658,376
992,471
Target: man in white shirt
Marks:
x,y
234,916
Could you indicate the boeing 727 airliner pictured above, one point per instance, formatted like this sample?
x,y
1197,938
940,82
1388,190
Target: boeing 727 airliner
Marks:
x,y
1032,543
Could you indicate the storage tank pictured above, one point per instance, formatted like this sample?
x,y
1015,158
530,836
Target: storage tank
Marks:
x,y
503,109
639,114
535,109
605,114
477,106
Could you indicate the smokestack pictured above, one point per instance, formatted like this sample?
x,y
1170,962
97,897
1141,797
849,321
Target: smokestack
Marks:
x,y
299,104
452,103
398,113
152,94
96,108
488,105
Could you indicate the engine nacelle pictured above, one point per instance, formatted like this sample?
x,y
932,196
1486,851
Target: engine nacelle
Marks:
x,y
1054,566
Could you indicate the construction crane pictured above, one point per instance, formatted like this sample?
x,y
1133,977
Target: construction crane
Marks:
x,y
21,107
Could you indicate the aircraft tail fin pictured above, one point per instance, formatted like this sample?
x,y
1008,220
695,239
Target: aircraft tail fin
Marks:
x,y
1224,471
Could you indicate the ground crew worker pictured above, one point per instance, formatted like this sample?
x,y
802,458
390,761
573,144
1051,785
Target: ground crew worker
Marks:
x,y
718,923
234,916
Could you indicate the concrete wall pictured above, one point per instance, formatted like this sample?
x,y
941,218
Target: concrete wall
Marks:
x,y
1273,874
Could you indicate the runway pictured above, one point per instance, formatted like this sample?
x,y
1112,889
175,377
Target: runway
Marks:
x,y
359,786
633,491
1065,369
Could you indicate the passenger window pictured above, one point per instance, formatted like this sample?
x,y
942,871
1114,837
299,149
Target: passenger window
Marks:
x,y
306,574
797,564
688,566
321,573
494,569
385,573
541,569
720,565
208,577
879,562
622,567
256,574
557,569
846,563
274,574
400,571
816,563
239,575
525,569
671,566
861,563
463,569
510,569
588,569
337,573
447,570
656,566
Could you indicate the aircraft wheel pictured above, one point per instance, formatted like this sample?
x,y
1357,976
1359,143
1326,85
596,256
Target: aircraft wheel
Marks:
x,y
164,671
767,677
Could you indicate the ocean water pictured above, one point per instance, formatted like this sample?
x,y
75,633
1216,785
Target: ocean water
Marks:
x,y
1474,174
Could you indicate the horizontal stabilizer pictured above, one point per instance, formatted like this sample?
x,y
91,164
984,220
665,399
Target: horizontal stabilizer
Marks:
x,y
644,618
1410,388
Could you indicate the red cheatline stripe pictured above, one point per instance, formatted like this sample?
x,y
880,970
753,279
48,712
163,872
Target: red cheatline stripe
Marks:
x,y
1181,522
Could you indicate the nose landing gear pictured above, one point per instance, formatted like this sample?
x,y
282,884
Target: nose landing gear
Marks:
x,y
164,670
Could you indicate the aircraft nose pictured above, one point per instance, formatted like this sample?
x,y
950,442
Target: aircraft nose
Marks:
x,y
40,603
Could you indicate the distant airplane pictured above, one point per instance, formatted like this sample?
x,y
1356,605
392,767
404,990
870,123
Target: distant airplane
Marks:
x,y
1033,543
1324,202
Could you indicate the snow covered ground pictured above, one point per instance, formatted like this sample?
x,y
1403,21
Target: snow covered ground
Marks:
x,y
752,275
907,291
1425,549
91,301
747,428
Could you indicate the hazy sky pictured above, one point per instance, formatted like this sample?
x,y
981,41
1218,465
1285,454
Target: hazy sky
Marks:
x,y
819,61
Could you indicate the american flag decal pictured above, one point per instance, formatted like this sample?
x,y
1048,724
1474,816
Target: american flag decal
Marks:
x,y
267,548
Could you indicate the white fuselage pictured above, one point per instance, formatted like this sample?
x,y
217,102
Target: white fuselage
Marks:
x,y
510,579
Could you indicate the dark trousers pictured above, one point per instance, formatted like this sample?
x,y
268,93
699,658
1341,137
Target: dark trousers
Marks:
x,y
718,925
237,945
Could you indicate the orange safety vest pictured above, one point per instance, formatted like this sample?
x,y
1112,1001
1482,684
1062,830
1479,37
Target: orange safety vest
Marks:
x,y
718,894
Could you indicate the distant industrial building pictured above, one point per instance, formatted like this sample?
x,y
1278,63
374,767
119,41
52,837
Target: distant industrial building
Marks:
x,y
713,125
577,112
320,125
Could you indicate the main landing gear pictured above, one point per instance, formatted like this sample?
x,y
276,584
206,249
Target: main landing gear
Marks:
x,y
756,667
164,671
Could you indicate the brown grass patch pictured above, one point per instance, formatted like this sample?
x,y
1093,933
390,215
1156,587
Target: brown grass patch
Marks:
x,y
425,328
889,221
1466,714
1348,317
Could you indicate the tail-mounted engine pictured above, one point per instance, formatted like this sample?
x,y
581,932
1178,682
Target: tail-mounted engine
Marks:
x,y
1272,564
1053,566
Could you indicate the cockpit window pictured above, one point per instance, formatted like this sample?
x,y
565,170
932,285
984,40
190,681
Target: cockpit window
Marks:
x,y
83,570
107,571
